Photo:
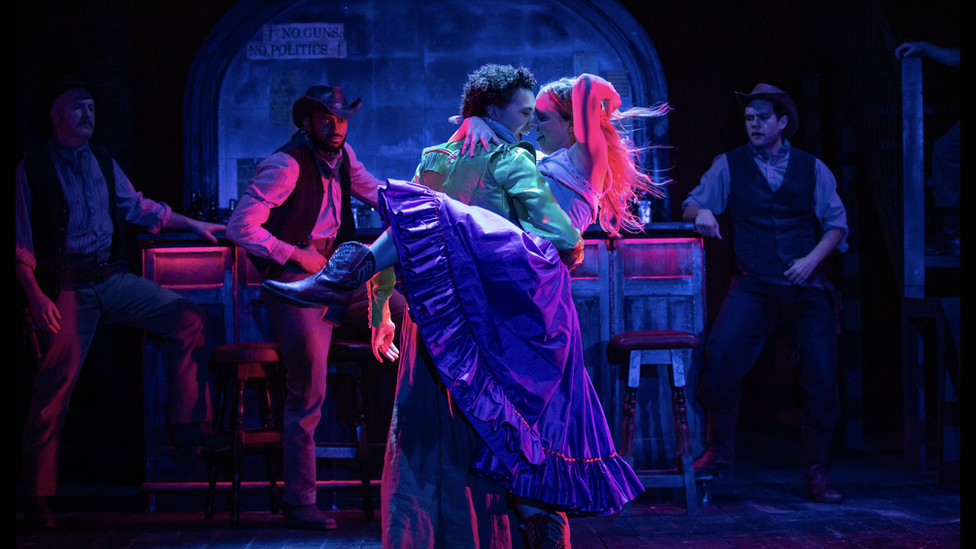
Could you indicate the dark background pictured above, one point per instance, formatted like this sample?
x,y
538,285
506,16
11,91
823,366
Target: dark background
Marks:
x,y
144,50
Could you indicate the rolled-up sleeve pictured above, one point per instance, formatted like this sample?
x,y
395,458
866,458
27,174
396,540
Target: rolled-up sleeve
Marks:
x,y
23,239
827,204
712,192
136,208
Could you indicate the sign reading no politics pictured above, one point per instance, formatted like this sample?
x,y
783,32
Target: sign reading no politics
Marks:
x,y
299,41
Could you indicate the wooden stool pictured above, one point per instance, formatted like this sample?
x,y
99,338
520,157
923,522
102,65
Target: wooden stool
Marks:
x,y
343,352
234,365
631,349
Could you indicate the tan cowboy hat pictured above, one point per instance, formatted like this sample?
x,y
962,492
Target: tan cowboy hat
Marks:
x,y
772,93
324,98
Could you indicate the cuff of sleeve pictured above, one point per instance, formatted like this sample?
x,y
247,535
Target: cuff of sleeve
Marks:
x,y
26,257
842,247
281,251
164,213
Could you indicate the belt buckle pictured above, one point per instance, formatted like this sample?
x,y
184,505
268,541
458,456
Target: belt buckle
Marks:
x,y
100,271
104,271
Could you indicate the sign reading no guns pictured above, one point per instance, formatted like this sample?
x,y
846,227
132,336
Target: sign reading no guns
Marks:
x,y
299,41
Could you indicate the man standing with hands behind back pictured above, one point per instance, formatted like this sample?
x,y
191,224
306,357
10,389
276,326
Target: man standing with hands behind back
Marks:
x,y
787,218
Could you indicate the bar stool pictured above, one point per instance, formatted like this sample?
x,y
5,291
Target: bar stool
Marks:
x,y
347,357
236,365
631,349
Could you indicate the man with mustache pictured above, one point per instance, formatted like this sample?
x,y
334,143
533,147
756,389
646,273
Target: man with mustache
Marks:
x,y
71,200
787,219
295,212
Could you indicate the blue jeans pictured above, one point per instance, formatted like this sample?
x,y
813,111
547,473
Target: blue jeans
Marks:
x,y
745,320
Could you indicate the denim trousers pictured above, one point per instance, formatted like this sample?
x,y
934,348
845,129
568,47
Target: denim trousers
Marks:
x,y
126,299
747,317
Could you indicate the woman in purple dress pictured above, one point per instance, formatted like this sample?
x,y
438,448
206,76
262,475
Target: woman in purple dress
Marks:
x,y
492,307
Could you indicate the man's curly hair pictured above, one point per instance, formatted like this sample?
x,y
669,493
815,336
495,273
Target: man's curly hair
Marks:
x,y
493,85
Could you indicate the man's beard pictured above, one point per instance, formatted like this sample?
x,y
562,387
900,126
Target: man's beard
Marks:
x,y
325,146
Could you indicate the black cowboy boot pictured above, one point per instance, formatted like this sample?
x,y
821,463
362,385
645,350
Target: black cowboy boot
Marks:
x,y
307,517
815,486
816,449
718,459
350,266
545,531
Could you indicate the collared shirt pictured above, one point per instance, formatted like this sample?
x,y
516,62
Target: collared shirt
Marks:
x,y
89,219
273,182
713,191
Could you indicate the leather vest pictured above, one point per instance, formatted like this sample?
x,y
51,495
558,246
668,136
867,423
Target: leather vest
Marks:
x,y
294,219
772,229
49,215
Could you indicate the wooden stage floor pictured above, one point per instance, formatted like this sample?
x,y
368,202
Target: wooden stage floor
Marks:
x,y
760,507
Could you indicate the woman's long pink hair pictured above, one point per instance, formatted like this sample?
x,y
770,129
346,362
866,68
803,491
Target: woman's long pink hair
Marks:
x,y
627,182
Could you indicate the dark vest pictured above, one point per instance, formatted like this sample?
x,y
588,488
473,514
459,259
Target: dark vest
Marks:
x,y
49,215
294,219
772,229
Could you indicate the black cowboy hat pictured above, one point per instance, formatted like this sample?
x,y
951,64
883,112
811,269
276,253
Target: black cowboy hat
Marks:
x,y
57,86
775,95
324,98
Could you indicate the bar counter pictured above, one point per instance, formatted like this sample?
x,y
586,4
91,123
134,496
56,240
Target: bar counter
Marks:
x,y
649,281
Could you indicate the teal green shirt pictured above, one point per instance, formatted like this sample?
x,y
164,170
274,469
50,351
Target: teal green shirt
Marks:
x,y
506,181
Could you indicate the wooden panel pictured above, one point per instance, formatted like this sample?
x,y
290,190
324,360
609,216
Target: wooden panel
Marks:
x,y
658,258
658,284
659,312
592,267
189,267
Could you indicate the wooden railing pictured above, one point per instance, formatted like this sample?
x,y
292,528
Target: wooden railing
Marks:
x,y
913,179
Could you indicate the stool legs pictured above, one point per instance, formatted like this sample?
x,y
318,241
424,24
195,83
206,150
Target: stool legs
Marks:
x,y
230,394
212,462
362,448
235,516
630,408
269,470
679,360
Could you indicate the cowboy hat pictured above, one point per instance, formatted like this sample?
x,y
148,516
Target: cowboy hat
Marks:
x,y
323,98
58,86
775,95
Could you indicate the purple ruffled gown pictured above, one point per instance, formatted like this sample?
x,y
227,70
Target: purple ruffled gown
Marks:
x,y
493,305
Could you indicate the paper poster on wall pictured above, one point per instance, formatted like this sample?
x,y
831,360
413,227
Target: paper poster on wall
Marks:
x,y
299,41
286,87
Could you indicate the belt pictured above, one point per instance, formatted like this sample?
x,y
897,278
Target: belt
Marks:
x,y
322,245
97,275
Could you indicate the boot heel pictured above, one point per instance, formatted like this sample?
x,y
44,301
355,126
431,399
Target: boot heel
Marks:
x,y
335,314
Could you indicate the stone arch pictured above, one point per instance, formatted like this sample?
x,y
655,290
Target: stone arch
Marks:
x,y
407,60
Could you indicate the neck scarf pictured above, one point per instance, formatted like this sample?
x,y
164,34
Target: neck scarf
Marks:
x,y
502,132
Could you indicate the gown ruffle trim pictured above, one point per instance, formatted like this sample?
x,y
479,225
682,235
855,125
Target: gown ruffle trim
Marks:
x,y
514,456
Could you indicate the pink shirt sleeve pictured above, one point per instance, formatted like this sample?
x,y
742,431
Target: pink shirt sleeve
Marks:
x,y
274,180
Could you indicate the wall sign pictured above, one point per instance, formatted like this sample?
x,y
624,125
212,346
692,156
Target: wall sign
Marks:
x,y
299,41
